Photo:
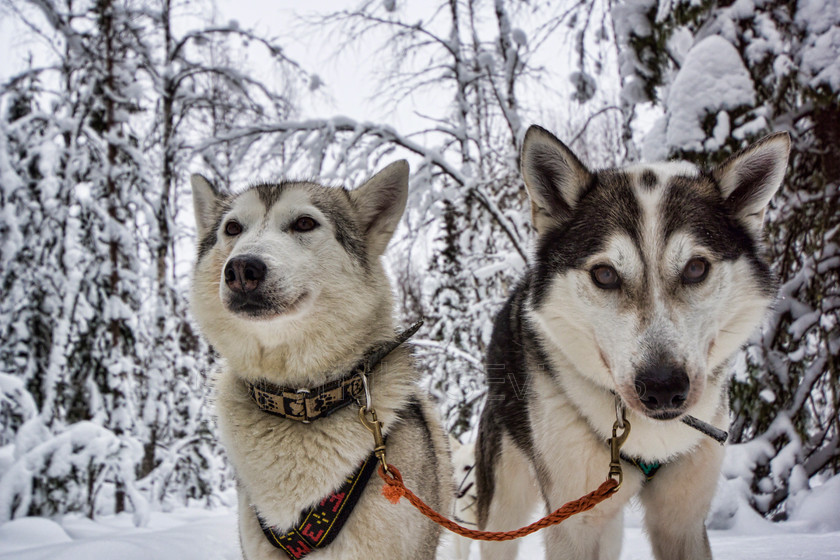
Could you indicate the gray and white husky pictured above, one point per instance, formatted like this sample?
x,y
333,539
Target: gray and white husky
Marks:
x,y
645,281
289,289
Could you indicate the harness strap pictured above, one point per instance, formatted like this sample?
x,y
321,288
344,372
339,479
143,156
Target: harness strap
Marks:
x,y
322,523
649,470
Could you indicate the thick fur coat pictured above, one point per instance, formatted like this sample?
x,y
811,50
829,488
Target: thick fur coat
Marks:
x,y
644,282
289,288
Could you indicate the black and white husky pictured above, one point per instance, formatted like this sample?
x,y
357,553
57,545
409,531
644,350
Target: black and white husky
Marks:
x,y
289,289
645,281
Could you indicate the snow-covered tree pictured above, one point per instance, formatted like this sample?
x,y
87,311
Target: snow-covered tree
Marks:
x,y
466,241
198,90
473,58
103,401
725,74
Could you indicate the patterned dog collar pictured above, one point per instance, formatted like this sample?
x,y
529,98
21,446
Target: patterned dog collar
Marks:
x,y
306,405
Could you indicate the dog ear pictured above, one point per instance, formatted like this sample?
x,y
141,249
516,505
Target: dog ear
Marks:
x,y
381,202
750,178
554,177
206,198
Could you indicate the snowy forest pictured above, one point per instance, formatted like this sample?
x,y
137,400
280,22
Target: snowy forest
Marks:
x,y
105,405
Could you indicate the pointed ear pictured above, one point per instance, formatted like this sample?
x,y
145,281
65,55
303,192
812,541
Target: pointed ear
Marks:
x,y
750,178
206,200
554,176
381,202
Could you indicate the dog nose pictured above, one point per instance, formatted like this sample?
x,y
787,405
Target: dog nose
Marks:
x,y
244,273
662,387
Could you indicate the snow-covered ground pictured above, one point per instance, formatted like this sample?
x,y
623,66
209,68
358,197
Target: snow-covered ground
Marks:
x,y
199,534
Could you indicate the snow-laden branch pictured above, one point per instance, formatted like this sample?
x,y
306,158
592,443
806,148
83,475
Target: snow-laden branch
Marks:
x,y
385,135
449,349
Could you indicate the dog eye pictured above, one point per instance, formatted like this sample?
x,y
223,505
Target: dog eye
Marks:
x,y
233,228
304,223
605,277
695,271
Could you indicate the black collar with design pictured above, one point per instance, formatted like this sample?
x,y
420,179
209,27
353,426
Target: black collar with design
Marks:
x,y
306,405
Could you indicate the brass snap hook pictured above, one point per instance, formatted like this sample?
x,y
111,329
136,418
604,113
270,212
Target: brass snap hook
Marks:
x,y
616,441
375,427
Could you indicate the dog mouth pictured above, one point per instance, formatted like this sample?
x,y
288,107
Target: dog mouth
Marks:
x,y
664,414
257,306
661,413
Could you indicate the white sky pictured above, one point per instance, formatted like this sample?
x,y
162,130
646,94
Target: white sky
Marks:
x,y
347,76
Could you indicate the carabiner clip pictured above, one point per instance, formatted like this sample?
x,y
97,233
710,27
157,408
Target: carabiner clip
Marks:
x,y
616,441
375,427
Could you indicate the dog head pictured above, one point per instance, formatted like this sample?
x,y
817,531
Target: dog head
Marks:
x,y
281,260
648,278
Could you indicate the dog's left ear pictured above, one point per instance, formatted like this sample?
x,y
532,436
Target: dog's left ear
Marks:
x,y
750,178
381,202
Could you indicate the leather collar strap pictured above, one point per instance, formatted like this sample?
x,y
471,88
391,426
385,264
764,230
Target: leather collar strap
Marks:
x,y
306,405
319,526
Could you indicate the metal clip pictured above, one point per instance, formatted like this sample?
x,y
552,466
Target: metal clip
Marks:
x,y
375,427
619,412
616,441
368,404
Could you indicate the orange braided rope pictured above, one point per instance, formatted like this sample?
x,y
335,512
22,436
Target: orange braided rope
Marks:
x,y
395,489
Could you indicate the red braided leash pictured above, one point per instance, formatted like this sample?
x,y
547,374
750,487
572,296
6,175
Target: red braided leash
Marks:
x,y
395,489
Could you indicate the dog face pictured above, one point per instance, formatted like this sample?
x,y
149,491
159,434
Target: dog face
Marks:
x,y
648,278
276,259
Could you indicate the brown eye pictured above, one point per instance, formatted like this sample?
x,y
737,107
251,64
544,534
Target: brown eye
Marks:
x,y
605,277
695,271
304,223
233,228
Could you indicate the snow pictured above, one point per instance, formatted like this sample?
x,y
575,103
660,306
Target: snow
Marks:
x,y
705,105
193,533
818,509
712,79
817,15
822,60
185,534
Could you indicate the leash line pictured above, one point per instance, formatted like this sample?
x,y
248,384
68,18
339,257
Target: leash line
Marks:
x,y
395,489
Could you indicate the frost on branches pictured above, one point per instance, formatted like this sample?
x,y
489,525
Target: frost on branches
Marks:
x,y
486,69
103,396
103,400
725,76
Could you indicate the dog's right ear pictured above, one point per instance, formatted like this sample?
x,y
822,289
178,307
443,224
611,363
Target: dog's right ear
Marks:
x,y
381,202
206,198
554,177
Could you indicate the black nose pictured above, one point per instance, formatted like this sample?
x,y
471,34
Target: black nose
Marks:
x,y
662,387
244,273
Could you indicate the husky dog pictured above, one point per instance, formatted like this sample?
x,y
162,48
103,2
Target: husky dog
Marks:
x,y
645,280
289,289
